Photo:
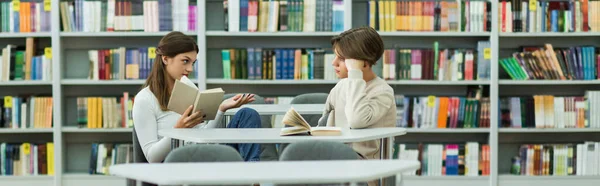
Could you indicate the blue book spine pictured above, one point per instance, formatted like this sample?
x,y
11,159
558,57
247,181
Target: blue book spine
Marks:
x,y
284,64
554,20
311,63
250,64
278,64
258,62
291,63
543,6
243,15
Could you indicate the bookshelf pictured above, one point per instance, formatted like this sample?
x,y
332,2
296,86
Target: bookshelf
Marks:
x,y
69,81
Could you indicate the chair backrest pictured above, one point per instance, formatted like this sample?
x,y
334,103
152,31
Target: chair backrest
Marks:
x,y
138,154
318,150
311,98
203,153
138,157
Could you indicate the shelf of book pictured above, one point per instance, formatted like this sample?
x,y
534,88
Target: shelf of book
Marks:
x,y
27,180
30,130
547,130
550,34
436,82
436,34
24,83
100,130
24,34
516,180
549,82
101,82
78,179
448,130
119,34
269,34
445,180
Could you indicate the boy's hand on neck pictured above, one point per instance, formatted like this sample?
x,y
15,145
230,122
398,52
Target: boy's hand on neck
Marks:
x,y
354,64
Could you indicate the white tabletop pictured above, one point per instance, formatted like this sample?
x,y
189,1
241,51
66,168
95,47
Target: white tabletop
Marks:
x,y
271,135
276,172
281,109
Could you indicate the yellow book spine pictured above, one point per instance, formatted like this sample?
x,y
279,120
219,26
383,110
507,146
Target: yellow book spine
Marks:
x,y
381,13
372,13
99,112
50,158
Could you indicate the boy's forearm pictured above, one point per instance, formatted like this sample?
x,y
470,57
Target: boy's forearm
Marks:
x,y
361,110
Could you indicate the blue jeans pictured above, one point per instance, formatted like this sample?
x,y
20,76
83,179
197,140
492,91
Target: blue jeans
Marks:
x,y
246,118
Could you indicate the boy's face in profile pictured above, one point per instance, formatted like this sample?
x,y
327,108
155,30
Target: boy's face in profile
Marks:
x,y
340,66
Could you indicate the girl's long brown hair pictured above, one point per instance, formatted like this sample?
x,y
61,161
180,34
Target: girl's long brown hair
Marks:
x,y
159,80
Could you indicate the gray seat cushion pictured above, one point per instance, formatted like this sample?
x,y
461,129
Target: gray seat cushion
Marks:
x,y
318,150
203,153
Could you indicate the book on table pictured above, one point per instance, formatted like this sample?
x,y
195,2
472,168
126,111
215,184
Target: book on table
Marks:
x,y
186,93
299,126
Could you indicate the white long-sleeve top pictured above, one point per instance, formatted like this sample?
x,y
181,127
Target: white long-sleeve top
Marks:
x,y
148,118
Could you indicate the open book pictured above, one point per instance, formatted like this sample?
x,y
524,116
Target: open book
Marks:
x,y
185,93
301,127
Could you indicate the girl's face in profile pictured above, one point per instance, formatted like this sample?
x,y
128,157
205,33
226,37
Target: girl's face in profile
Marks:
x,y
180,65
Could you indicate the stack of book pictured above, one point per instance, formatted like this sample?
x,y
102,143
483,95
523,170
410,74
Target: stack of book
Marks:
x,y
26,159
128,15
25,112
25,62
105,112
439,16
19,16
469,159
284,15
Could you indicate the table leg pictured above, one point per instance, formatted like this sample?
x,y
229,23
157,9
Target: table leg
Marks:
x,y
399,180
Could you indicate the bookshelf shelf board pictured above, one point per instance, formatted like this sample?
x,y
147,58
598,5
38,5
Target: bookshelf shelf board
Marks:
x,y
25,83
119,34
101,82
100,130
547,130
24,35
436,82
437,130
549,82
77,179
269,34
27,180
437,34
270,82
7,130
445,180
515,180
551,34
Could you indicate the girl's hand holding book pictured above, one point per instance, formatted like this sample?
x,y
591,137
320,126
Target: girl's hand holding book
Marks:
x,y
188,121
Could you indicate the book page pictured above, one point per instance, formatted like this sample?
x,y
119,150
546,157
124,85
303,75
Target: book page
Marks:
x,y
293,118
208,102
182,96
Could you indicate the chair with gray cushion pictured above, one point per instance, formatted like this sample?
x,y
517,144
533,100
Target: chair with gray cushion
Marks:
x,y
138,157
318,150
311,98
203,153
268,151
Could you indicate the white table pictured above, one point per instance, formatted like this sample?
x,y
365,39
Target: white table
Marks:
x,y
274,172
281,109
271,135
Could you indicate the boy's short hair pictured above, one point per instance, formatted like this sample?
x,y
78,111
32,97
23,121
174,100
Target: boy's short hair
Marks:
x,y
363,43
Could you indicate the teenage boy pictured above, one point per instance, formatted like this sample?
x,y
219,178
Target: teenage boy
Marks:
x,y
361,99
